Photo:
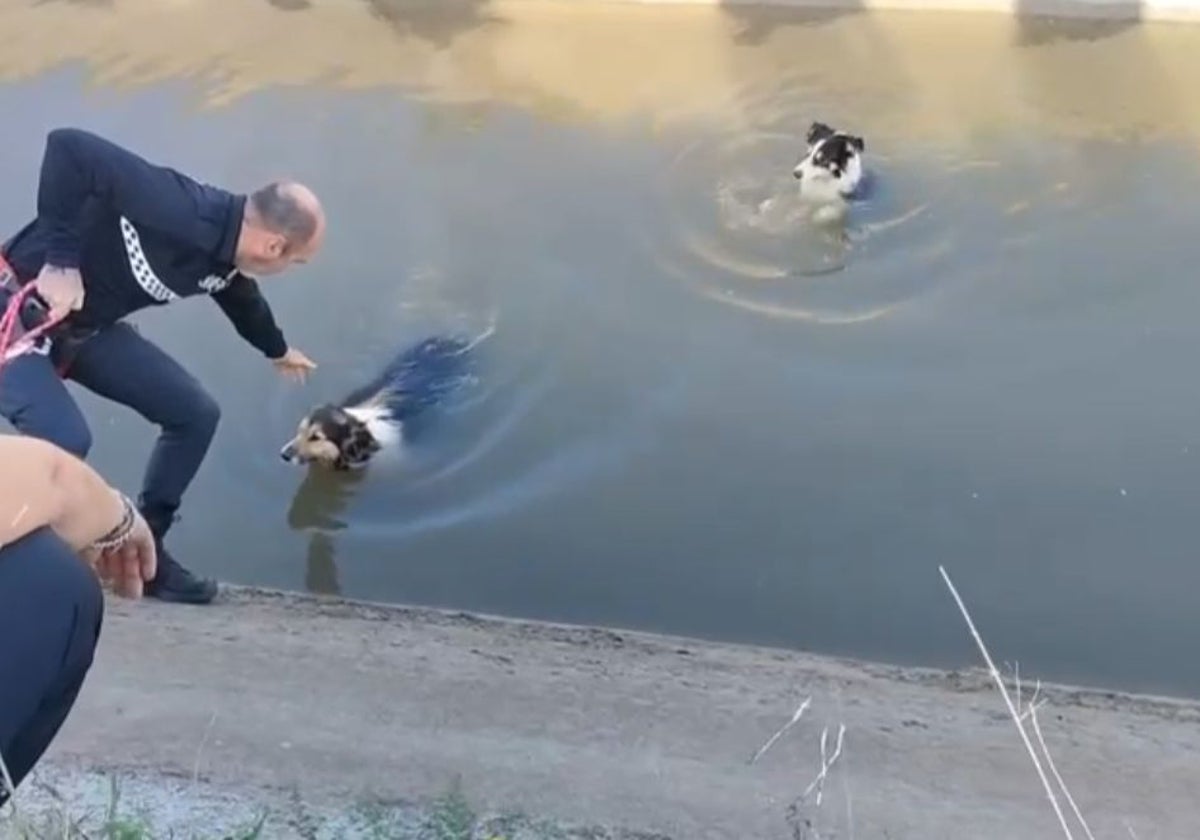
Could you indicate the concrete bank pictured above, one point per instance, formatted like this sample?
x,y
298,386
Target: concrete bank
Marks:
x,y
269,695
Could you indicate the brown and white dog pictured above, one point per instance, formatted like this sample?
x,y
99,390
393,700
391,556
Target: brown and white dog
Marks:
x,y
348,434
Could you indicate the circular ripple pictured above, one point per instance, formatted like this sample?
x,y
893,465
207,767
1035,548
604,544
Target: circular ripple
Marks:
x,y
476,458
735,230
424,304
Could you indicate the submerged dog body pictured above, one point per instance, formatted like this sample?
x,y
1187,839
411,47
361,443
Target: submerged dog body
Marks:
x,y
832,167
348,434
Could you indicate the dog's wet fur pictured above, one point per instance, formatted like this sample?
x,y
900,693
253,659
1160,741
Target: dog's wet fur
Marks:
x,y
832,166
348,434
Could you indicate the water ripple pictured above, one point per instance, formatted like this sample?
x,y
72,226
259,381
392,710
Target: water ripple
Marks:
x,y
734,229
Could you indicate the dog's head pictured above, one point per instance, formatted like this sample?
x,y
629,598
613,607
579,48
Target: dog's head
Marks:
x,y
331,437
832,163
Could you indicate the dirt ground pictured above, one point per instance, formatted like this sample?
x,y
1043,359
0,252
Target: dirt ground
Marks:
x,y
268,696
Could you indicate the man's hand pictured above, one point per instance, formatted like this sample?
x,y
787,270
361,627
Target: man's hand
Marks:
x,y
127,569
61,288
294,365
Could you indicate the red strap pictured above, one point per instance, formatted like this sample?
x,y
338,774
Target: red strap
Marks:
x,y
11,316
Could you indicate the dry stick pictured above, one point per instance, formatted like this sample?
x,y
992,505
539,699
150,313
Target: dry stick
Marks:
x,y
771,741
826,763
846,778
987,657
1037,730
200,749
6,784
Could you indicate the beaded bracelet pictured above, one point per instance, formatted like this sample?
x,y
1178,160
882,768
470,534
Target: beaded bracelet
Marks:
x,y
119,535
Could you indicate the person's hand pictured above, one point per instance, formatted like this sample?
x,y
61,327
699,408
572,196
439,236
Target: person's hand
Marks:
x,y
61,288
294,365
129,567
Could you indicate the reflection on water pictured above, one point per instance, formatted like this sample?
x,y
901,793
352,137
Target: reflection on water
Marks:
x,y
941,78
315,510
695,410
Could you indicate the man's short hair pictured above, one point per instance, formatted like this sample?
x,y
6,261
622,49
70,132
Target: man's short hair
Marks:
x,y
278,209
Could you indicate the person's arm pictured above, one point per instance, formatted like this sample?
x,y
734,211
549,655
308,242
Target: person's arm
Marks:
x,y
42,485
243,303
246,308
79,166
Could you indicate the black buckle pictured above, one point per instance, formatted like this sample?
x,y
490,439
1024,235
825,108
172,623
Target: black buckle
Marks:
x,y
33,312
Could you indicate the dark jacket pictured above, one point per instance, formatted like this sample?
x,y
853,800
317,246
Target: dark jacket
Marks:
x,y
140,234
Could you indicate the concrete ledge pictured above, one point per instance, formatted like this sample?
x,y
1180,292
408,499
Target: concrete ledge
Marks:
x,y
588,726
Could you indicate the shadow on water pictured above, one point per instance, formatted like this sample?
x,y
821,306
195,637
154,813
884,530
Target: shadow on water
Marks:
x,y
756,24
291,5
436,21
1038,30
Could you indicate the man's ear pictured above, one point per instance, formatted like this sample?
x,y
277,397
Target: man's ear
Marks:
x,y
276,245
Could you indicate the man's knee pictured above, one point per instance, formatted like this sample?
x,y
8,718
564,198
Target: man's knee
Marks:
x,y
191,412
73,435
205,414
67,431
37,404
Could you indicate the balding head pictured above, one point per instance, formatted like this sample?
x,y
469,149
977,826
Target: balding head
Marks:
x,y
284,224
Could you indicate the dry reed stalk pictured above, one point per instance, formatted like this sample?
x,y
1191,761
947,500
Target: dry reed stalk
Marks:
x,y
1012,710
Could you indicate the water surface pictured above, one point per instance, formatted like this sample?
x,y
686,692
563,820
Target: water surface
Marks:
x,y
695,413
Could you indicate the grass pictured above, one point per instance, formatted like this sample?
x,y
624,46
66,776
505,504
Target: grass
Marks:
x,y
450,816
59,823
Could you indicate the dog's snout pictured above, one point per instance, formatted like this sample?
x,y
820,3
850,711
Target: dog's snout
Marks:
x,y
288,453
797,174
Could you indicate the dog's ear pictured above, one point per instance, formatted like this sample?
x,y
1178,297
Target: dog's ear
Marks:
x,y
857,142
359,445
818,131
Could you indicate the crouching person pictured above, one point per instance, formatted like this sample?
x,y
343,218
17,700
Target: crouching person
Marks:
x,y
64,532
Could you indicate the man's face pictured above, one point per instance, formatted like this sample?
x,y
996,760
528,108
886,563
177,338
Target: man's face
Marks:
x,y
270,253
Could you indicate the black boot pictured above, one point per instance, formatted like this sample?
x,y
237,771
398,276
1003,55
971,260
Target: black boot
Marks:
x,y
175,583
172,582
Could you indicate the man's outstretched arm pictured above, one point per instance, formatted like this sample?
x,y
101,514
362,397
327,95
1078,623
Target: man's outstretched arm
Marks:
x,y
243,303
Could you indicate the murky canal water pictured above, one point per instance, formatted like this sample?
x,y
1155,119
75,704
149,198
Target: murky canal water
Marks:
x,y
695,412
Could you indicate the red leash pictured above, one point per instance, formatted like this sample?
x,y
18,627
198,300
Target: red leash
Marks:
x,y
12,315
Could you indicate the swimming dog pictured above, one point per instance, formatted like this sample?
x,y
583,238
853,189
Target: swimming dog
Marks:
x,y
348,434
831,169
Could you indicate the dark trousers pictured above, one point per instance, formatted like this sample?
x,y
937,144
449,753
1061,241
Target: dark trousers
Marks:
x,y
51,608
119,364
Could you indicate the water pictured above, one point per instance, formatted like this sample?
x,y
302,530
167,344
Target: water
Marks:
x,y
695,412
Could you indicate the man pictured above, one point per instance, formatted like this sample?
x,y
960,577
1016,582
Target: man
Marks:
x,y
115,234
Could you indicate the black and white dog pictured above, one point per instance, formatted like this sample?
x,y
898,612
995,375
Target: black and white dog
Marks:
x,y
349,434
831,171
